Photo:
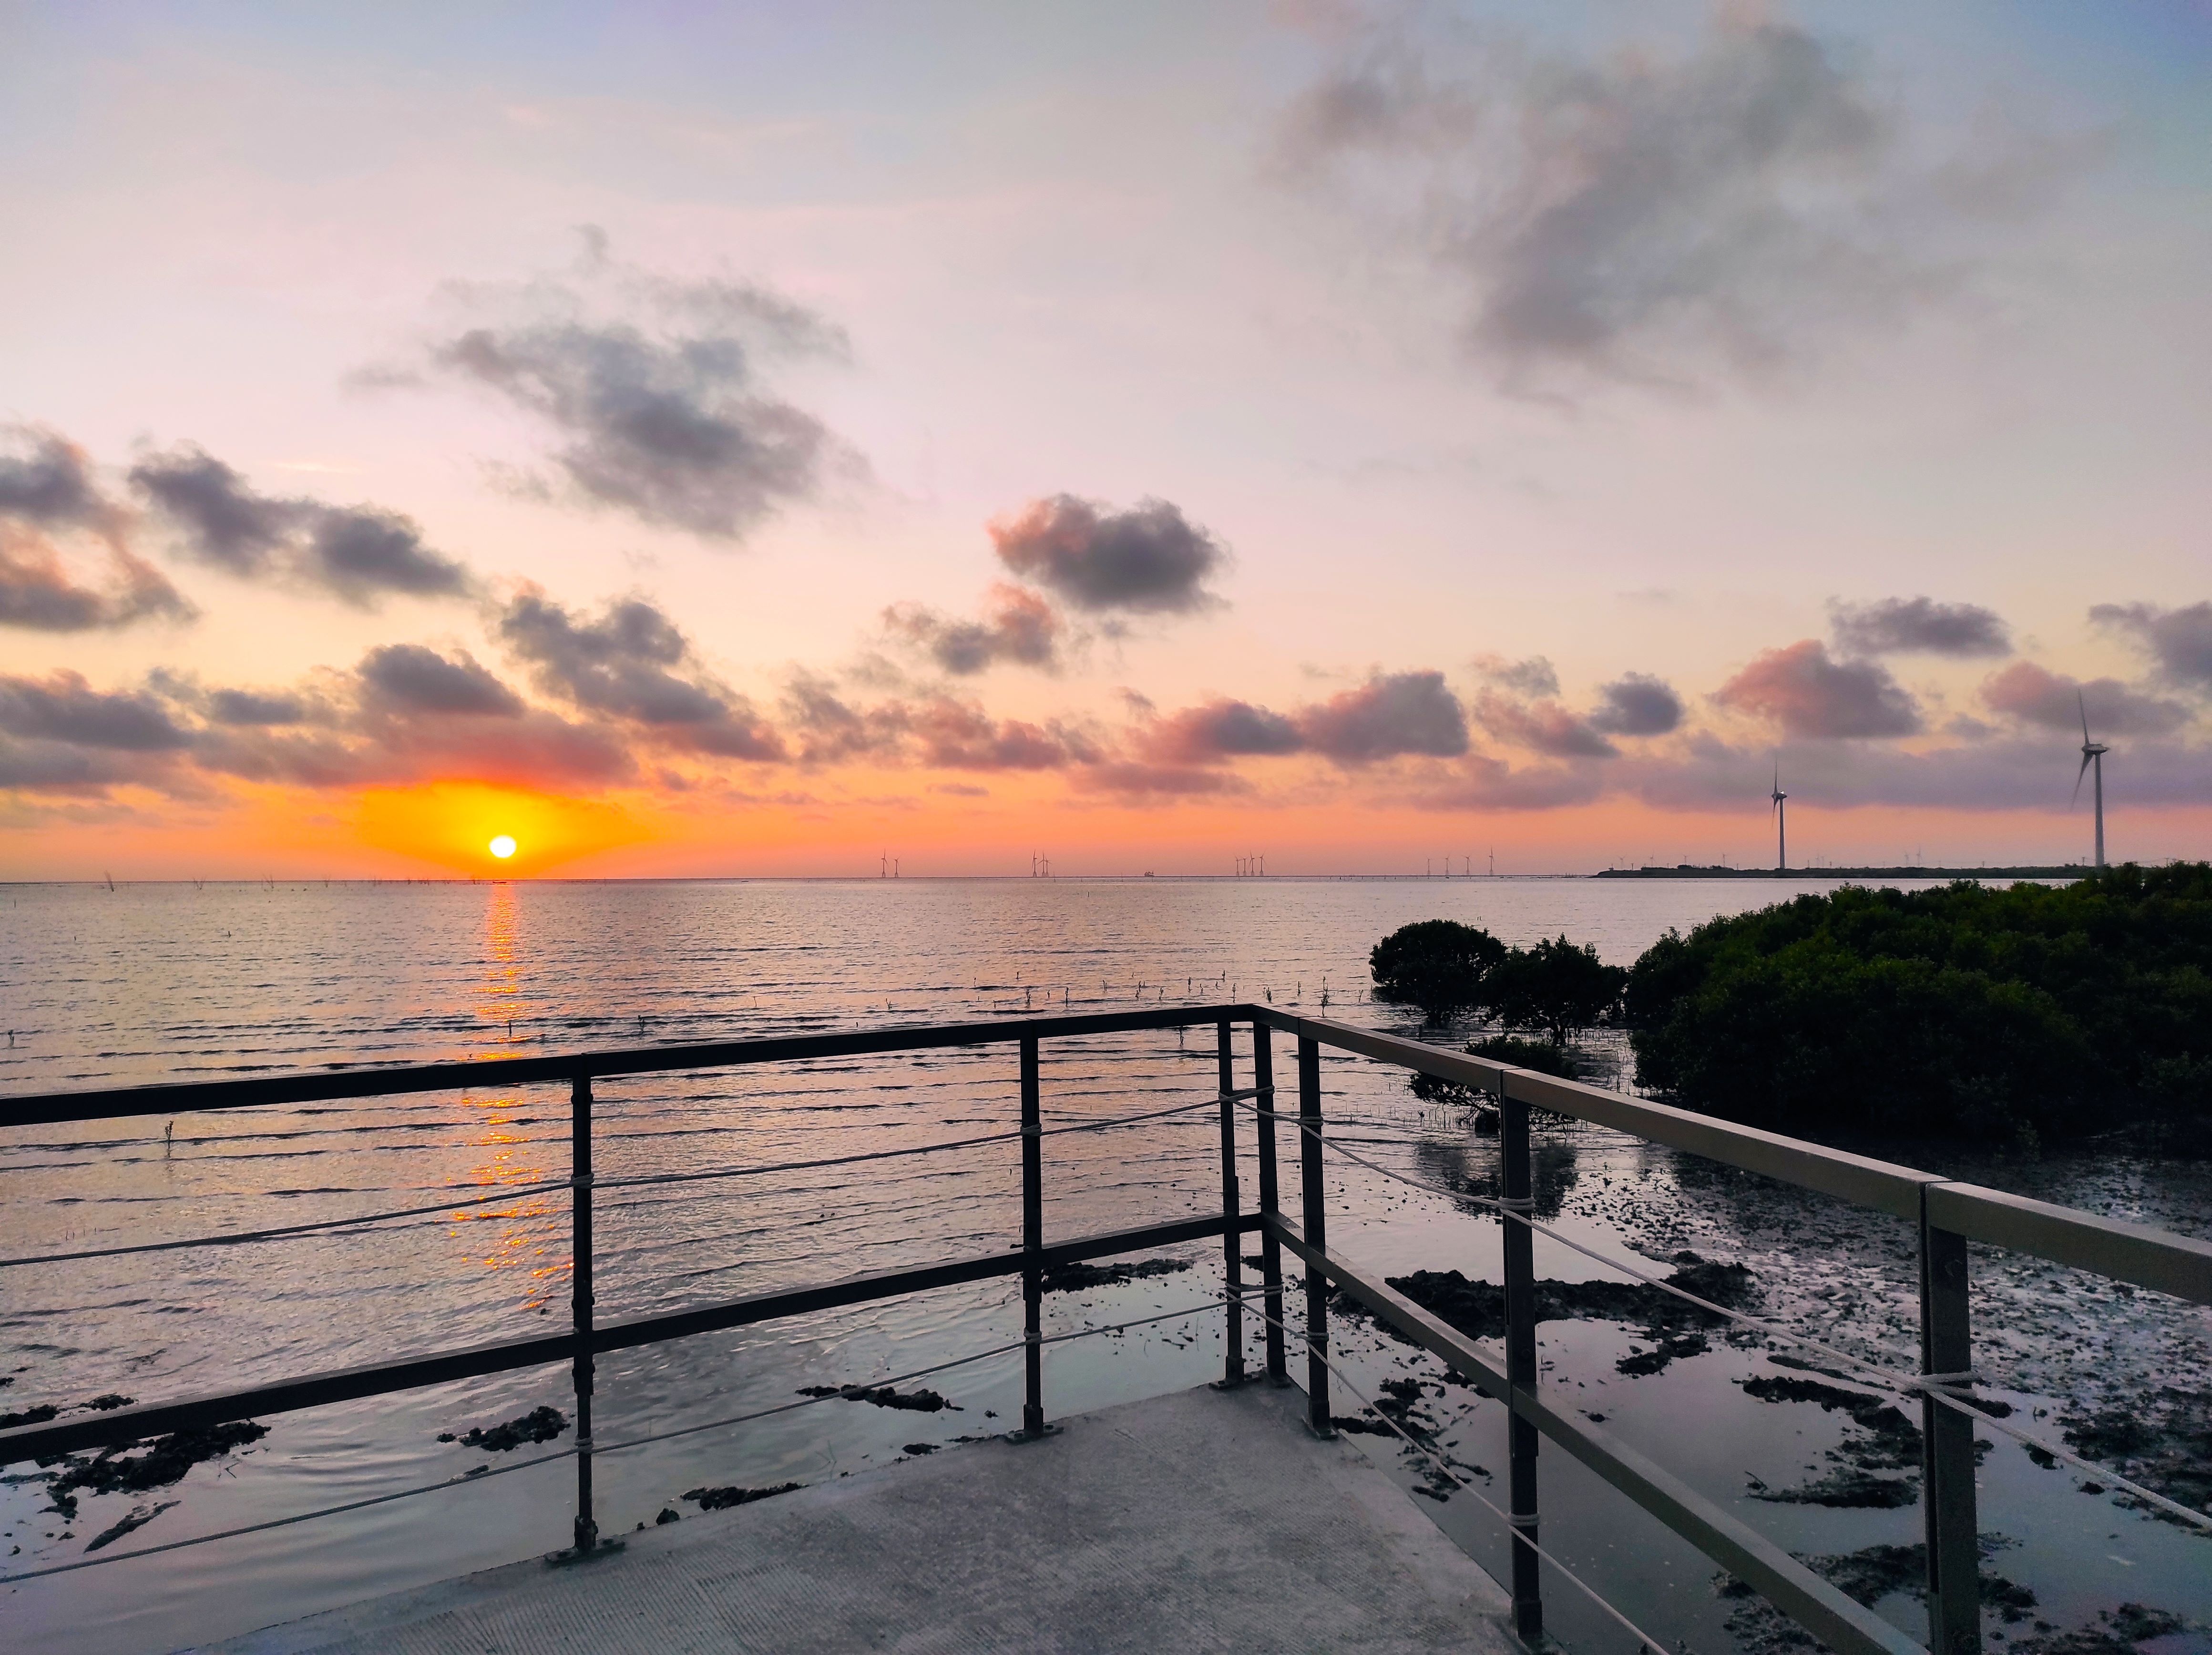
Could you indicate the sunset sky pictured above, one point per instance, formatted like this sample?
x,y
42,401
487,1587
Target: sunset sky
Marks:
x,y
746,441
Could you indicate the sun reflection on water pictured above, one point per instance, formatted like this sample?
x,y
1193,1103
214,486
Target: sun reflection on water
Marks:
x,y
522,1238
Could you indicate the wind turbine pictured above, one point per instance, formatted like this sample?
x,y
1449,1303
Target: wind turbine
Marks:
x,y
2092,753
1781,823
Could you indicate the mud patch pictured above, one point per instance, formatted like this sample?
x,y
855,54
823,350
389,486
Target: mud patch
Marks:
x,y
538,1425
2119,1631
883,1396
166,1460
2162,1440
1885,1441
729,1494
39,1416
1675,1328
1866,1576
1079,1276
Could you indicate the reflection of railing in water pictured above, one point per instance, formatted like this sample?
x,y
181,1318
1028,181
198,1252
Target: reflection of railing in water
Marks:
x,y
1948,1215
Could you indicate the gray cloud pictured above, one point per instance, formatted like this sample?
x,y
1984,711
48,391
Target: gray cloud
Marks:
x,y
63,707
1221,729
254,707
1019,629
358,553
1911,625
1132,780
39,593
1800,689
626,664
2179,640
960,735
653,389
1147,560
1635,217
408,678
49,484
1389,715
1637,704
2052,700
47,490
1543,727
1534,676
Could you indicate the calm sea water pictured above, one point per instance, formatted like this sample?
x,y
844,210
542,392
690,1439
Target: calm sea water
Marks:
x,y
171,982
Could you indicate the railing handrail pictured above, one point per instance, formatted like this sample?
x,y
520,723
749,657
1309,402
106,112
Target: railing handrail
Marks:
x,y
2141,1254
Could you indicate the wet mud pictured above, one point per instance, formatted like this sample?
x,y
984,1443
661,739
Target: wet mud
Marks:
x,y
1885,1440
883,1396
1867,1575
166,1461
1078,1276
2162,1440
722,1498
1674,1328
538,1425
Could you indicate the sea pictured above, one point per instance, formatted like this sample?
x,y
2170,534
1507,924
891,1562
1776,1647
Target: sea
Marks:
x,y
148,983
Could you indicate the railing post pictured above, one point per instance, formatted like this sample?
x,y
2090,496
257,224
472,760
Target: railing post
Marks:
x,y
580,1299
1315,1219
1520,1361
1271,1250
1955,1587
1032,1242
1232,1208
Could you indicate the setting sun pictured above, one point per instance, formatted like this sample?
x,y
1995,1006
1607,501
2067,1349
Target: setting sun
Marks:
x,y
503,846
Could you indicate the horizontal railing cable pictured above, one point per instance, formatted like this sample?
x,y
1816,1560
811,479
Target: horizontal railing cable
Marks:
x,y
481,1473
517,1191
1886,1379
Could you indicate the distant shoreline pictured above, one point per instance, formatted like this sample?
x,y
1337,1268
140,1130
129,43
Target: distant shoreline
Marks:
x,y
1684,871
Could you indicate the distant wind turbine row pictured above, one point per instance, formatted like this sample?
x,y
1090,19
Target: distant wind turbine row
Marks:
x,y
2093,759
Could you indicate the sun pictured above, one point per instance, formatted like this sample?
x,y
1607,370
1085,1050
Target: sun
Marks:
x,y
502,847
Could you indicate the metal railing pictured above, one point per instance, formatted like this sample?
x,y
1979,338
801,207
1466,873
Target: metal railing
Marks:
x,y
1947,1214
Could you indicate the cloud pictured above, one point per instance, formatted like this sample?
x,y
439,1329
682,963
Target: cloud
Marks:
x,y
1646,217
1637,704
1910,625
408,678
832,730
1389,715
1134,781
356,553
51,486
1221,729
2052,700
39,593
1145,561
1543,727
1019,627
960,735
47,490
1534,676
63,707
626,665
1800,689
653,389
256,708
2179,640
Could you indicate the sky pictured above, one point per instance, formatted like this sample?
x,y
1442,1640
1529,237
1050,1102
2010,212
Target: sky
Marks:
x,y
768,440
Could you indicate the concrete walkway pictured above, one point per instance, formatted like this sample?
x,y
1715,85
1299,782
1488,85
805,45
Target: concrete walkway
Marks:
x,y
1203,1521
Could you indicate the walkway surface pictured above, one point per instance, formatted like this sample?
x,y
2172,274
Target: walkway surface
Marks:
x,y
1201,1521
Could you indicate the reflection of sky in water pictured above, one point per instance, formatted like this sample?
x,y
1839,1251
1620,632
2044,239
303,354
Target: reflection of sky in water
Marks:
x,y
169,982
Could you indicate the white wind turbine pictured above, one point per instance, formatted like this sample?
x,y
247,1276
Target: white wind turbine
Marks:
x,y
2092,753
1782,823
